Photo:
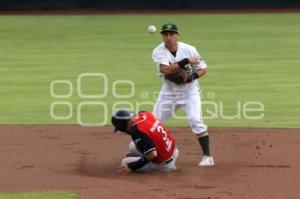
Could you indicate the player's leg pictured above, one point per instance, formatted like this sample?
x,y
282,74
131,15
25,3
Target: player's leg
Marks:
x,y
170,166
163,108
133,155
193,110
133,151
127,160
146,168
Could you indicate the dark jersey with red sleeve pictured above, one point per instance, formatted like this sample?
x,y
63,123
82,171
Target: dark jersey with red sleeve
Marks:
x,y
149,134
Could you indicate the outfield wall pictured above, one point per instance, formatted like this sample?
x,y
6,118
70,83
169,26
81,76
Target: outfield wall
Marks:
x,y
147,4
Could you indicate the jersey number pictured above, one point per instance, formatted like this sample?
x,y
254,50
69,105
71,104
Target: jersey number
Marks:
x,y
168,142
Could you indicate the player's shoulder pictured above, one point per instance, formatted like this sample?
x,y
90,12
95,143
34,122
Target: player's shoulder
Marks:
x,y
186,46
140,118
159,48
137,127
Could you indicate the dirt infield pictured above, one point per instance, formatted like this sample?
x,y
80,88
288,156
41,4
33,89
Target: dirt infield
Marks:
x,y
250,163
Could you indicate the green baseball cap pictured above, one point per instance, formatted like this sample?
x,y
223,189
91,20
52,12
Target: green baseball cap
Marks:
x,y
169,27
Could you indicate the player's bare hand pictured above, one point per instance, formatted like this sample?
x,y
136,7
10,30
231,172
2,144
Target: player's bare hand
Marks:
x,y
123,170
194,61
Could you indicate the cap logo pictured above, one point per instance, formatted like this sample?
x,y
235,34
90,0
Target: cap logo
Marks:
x,y
169,26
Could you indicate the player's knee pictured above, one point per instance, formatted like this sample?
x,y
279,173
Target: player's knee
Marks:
x,y
194,123
198,128
132,147
202,134
124,162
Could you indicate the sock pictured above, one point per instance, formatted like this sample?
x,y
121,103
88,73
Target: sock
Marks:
x,y
204,143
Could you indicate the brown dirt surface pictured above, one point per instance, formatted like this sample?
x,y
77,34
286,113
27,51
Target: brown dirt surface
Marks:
x,y
250,163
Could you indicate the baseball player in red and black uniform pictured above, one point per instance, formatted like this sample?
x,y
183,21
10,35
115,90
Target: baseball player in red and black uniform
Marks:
x,y
153,147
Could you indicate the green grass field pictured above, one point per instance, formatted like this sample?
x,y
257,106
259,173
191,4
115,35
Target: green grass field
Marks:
x,y
251,57
38,195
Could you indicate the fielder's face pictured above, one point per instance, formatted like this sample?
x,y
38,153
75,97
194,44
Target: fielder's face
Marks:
x,y
170,38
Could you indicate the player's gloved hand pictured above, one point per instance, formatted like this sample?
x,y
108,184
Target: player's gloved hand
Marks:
x,y
183,62
192,76
123,170
186,61
178,79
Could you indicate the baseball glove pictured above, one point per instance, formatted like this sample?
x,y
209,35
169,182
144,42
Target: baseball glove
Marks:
x,y
182,76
